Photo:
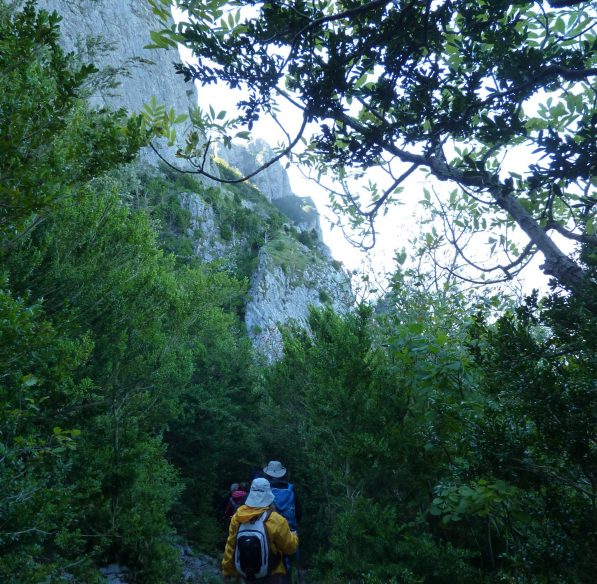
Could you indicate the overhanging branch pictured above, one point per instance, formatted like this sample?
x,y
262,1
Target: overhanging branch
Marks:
x,y
589,239
565,3
509,270
202,172
557,263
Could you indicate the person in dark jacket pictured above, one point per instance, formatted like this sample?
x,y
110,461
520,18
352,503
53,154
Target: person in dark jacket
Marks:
x,y
285,496
287,504
238,495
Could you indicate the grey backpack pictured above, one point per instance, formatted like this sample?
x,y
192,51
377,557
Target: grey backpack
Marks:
x,y
252,558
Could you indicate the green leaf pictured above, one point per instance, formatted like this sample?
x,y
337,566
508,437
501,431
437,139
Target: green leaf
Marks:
x,y
361,80
30,380
559,25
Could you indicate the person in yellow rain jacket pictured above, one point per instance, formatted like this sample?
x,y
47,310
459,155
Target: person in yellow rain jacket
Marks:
x,y
281,540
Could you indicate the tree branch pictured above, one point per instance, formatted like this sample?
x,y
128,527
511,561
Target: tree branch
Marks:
x,y
550,71
557,263
546,472
526,254
590,239
202,172
346,14
565,3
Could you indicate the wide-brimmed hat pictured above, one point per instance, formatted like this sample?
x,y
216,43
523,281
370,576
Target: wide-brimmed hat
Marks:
x,y
260,494
275,469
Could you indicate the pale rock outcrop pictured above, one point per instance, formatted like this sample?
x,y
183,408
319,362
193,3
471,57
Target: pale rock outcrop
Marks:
x,y
204,229
124,26
272,182
112,34
302,211
282,293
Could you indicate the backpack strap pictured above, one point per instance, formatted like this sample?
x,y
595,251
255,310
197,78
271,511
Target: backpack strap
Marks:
x,y
264,517
273,559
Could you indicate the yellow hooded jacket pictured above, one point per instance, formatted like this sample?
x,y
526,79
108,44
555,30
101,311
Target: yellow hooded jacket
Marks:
x,y
281,540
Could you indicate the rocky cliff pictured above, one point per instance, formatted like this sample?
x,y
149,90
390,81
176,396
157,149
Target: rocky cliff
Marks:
x,y
261,230
273,183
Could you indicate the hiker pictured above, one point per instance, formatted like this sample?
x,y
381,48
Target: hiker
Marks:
x,y
238,495
287,503
258,538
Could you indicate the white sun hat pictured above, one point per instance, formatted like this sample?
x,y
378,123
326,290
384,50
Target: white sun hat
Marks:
x,y
275,469
260,494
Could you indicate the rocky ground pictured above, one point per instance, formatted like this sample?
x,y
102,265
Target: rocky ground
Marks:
x,y
197,569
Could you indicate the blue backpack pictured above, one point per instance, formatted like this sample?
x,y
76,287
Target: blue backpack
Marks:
x,y
285,506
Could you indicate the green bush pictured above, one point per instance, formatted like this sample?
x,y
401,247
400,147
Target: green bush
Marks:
x,y
309,238
324,297
369,543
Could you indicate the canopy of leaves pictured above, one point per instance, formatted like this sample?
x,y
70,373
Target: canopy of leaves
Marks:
x,y
108,341
450,87
44,124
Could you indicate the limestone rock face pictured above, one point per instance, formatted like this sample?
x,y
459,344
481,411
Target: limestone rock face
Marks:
x,y
290,277
124,27
283,292
204,231
272,182
112,35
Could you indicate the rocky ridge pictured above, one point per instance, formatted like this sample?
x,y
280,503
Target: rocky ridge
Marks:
x,y
293,268
273,183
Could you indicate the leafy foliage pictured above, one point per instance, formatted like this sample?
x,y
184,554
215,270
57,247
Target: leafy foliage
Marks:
x,y
108,341
96,266
44,124
450,87
37,363
434,446
375,428
538,435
